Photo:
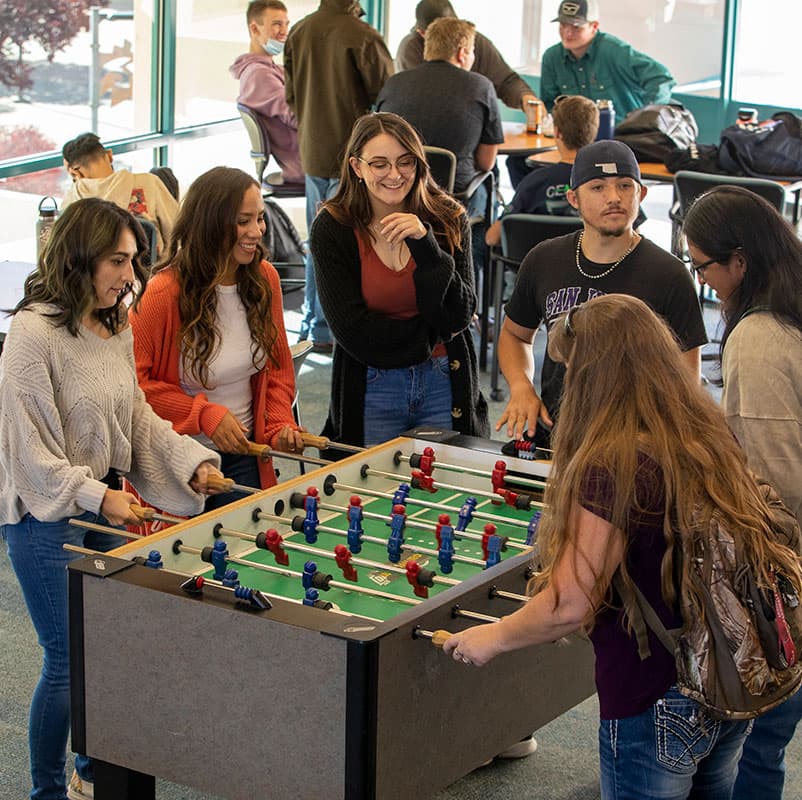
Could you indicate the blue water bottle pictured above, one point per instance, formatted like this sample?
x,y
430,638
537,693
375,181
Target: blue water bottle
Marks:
x,y
606,119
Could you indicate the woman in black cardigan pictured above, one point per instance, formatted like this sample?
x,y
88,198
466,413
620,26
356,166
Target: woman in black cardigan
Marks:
x,y
395,277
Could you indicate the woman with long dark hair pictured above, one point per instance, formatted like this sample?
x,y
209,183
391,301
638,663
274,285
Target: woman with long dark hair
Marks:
x,y
394,274
72,421
211,348
640,452
750,256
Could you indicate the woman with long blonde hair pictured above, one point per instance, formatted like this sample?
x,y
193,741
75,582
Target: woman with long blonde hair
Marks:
x,y
639,446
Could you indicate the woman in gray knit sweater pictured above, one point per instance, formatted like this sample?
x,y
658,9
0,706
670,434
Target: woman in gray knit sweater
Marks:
x,y
72,420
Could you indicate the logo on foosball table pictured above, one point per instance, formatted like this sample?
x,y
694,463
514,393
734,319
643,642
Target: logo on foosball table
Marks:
x,y
382,578
100,565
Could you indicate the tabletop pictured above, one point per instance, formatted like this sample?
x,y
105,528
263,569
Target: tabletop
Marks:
x,y
649,170
520,143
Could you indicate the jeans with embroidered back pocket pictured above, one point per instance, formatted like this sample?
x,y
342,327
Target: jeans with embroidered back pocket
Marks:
x,y
671,751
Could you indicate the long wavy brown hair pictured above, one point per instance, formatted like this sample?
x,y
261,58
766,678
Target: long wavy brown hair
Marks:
x,y
84,232
199,252
351,204
627,392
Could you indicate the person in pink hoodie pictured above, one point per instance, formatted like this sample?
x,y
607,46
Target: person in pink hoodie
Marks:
x,y
261,85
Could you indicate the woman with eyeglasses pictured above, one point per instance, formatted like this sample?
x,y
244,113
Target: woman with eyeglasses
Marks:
x,y
744,249
72,421
639,447
393,264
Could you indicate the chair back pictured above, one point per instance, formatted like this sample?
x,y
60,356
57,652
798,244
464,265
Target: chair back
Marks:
x,y
443,166
521,232
689,185
260,146
151,234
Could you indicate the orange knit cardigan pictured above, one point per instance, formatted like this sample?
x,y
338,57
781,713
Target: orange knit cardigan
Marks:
x,y
155,324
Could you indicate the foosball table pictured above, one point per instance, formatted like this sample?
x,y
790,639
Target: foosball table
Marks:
x,y
283,646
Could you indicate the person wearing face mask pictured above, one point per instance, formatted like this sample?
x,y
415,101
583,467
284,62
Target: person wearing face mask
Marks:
x,y
261,86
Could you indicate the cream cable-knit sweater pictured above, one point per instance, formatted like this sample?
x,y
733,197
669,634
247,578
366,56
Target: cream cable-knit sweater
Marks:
x,y
71,410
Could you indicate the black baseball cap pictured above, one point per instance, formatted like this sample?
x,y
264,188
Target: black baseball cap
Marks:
x,y
577,11
605,159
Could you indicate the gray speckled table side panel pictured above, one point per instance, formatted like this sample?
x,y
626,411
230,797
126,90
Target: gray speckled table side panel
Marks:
x,y
214,698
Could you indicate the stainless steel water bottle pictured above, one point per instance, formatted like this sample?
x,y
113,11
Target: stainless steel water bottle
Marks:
x,y
48,211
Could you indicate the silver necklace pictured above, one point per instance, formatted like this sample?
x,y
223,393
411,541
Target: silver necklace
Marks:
x,y
610,268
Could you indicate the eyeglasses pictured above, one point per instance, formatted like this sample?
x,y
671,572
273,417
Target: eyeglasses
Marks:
x,y
381,167
699,269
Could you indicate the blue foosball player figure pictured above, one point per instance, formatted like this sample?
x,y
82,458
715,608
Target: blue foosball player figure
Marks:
x,y
219,559
311,522
311,596
154,560
231,579
401,494
310,568
531,528
355,524
396,541
445,555
493,551
466,513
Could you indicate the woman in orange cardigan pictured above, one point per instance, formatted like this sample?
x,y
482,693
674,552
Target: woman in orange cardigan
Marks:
x,y
209,339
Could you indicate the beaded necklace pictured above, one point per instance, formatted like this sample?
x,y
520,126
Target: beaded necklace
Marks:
x,y
610,268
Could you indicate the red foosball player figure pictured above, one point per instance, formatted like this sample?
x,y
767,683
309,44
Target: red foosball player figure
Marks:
x,y
273,541
422,481
343,559
498,476
443,519
419,579
426,462
489,530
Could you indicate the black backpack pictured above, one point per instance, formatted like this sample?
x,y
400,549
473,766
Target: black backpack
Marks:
x,y
772,149
281,241
654,131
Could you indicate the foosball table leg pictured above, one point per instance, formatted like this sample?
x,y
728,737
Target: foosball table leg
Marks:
x,y
113,782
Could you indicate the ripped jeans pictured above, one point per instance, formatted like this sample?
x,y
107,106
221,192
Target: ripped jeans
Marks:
x,y
668,752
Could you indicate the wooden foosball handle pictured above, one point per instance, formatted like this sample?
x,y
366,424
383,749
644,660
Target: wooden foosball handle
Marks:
x,y
145,514
223,484
258,450
440,637
320,442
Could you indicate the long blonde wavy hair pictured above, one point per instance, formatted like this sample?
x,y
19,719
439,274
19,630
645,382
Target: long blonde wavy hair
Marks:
x,y
627,392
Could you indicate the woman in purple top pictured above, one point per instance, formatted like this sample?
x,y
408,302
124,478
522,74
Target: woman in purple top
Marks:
x,y
638,445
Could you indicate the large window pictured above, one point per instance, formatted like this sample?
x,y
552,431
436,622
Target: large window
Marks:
x,y
767,66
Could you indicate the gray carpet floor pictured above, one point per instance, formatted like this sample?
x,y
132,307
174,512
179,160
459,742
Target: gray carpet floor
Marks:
x,y
565,766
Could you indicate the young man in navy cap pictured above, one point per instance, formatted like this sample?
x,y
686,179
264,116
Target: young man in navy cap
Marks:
x,y
606,256
598,65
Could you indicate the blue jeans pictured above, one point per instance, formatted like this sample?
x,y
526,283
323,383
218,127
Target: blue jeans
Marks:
x,y
313,322
668,752
40,564
399,399
241,469
761,770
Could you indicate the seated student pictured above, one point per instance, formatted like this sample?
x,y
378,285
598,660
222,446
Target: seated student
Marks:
x,y
209,339
543,190
261,86
142,193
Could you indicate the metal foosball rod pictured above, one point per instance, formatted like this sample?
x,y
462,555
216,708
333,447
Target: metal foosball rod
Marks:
x,y
94,526
265,452
357,560
193,583
180,547
496,518
479,473
436,486
375,539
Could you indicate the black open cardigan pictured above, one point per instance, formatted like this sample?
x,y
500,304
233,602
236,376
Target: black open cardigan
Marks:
x,y
446,300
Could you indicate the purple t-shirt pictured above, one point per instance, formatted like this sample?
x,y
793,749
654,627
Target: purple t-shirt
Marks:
x,y
626,685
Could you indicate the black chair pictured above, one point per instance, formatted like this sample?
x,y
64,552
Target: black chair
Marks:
x,y
299,352
689,185
260,153
519,234
443,166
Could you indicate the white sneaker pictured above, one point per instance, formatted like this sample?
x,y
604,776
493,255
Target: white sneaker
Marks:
x,y
79,789
520,749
